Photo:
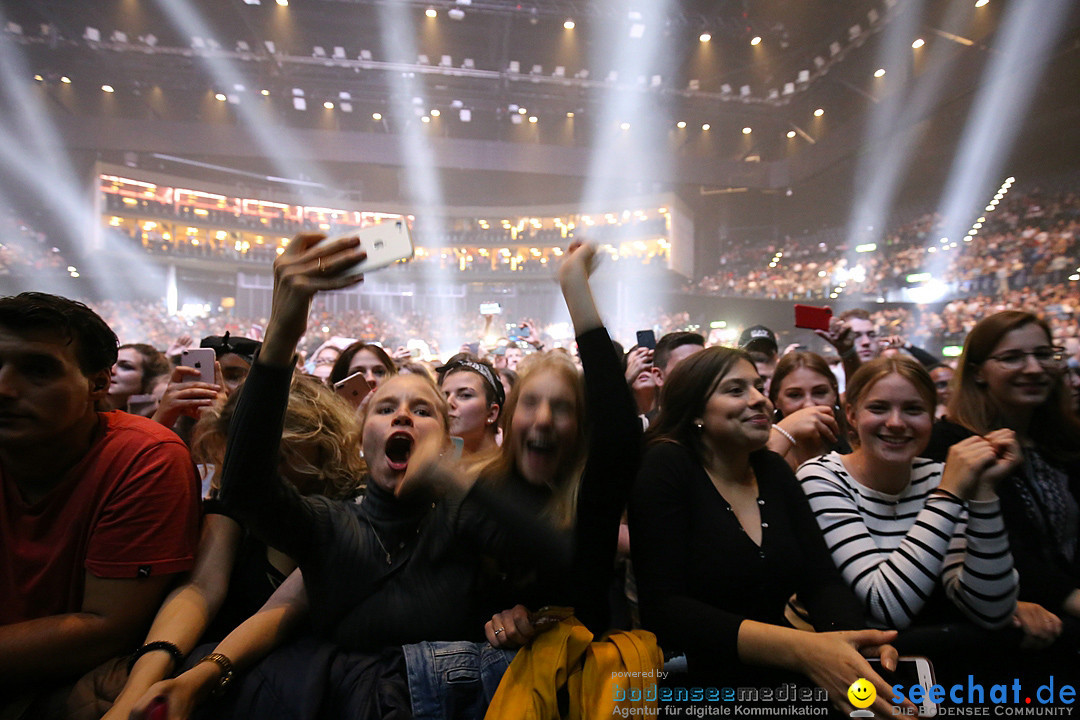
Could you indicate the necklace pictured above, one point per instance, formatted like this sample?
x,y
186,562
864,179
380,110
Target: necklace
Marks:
x,y
378,539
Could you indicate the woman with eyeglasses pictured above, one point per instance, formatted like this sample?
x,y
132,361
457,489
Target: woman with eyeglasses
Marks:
x,y
1011,375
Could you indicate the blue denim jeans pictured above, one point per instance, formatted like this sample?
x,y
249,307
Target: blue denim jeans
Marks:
x,y
454,680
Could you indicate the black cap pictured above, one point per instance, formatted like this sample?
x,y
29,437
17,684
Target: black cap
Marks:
x,y
226,344
758,337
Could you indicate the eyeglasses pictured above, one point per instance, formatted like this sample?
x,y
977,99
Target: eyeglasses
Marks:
x,y
1047,357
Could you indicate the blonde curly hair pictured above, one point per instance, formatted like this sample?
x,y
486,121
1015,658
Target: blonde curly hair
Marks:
x,y
320,442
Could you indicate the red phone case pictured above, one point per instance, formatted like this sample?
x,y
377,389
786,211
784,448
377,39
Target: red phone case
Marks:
x,y
812,317
158,709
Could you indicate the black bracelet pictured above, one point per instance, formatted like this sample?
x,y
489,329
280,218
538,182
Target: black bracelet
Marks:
x,y
174,652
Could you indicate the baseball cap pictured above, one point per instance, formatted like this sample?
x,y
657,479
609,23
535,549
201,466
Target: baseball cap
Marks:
x,y
758,337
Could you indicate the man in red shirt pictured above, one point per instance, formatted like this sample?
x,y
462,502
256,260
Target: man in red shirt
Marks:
x,y
98,511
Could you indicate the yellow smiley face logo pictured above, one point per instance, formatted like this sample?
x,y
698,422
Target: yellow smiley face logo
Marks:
x,y
862,693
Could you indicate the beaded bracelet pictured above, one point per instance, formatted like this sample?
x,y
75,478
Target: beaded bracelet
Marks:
x,y
785,433
174,652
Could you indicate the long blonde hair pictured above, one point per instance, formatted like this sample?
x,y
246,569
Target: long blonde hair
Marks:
x,y
561,509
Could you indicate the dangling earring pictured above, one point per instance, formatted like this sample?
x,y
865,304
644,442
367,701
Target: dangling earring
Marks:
x,y
698,425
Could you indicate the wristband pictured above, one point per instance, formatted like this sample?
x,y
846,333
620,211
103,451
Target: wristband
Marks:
x,y
948,495
785,433
174,652
226,666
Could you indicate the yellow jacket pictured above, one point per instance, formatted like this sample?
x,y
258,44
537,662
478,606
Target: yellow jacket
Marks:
x,y
591,678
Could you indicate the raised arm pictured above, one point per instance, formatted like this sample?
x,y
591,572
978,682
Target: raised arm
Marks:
x,y
614,436
251,486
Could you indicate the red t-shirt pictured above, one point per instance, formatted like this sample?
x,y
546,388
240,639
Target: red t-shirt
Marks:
x,y
128,509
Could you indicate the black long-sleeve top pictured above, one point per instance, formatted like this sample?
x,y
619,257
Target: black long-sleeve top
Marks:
x,y
699,576
1047,575
432,589
613,433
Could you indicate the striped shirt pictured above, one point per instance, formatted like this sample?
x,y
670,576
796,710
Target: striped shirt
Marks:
x,y
894,549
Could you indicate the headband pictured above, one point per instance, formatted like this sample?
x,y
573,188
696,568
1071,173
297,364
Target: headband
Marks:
x,y
484,372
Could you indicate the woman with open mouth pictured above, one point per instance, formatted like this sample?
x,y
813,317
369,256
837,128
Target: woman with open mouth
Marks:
x,y
407,564
570,452
920,543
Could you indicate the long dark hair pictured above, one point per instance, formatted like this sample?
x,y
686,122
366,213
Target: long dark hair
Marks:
x,y
685,392
340,371
1054,427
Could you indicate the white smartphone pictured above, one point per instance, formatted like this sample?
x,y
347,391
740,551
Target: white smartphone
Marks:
x,y
911,671
385,244
202,359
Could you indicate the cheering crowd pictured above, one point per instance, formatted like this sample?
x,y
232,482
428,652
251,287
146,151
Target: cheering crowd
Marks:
x,y
352,531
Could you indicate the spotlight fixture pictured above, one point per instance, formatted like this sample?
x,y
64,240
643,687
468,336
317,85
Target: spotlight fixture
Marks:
x,y
880,72
704,37
791,134
220,97
455,14
328,105
919,42
681,124
570,114
747,131
706,126
65,79
624,126
533,119
756,40
39,78
425,119
522,111
569,24
107,88
264,93
283,3
981,3
819,112
431,12
376,116
436,112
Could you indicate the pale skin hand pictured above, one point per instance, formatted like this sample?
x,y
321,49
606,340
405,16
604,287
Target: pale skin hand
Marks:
x,y
1072,603
1008,457
639,361
179,345
186,398
832,660
814,428
299,272
964,466
1041,627
516,628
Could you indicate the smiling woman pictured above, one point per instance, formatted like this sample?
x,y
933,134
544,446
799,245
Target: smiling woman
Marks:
x,y
722,537
898,526
1011,375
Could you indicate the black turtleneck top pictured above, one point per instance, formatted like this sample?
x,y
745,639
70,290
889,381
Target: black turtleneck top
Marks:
x,y
436,585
